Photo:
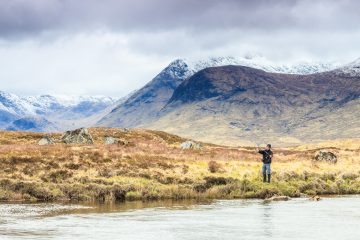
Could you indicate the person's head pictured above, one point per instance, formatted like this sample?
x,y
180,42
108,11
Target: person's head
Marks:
x,y
268,146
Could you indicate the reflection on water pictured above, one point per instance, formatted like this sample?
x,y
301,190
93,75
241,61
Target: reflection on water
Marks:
x,y
331,218
267,221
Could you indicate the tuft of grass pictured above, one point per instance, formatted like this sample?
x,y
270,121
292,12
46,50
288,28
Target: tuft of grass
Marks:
x,y
214,166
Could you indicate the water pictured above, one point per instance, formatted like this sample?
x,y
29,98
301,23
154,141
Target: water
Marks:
x,y
330,218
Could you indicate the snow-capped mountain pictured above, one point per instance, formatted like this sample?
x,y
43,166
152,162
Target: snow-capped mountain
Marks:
x,y
15,104
139,107
50,113
144,105
83,105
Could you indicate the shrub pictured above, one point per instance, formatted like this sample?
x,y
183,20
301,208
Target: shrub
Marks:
x,y
72,166
214,166
211,181
58,175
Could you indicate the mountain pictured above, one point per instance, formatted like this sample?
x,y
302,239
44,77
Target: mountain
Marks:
x,y
52,113
144,105
241,105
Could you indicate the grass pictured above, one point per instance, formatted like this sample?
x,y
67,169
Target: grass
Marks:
x,y
152,166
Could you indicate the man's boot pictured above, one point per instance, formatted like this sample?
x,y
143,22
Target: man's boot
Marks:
x,y
269,176
264,177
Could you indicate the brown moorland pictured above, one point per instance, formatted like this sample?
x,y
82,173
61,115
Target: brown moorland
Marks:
x,y
151,165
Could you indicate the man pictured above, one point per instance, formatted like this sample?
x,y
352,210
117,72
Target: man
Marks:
x,y
266,159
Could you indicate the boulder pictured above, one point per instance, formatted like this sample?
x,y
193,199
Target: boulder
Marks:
x,y
326,156
123,142
190,145
77,136
315,198
277,198
110,140
47,140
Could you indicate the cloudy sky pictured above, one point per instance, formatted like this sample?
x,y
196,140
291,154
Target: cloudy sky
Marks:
x,y
110,47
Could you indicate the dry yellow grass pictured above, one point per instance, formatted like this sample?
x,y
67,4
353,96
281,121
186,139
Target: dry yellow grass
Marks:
x,y
152,166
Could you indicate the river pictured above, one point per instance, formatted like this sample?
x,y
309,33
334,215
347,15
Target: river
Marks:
x,y
330,218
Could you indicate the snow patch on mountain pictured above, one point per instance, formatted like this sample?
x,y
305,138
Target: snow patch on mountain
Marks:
x,y
352,69
262,63
49,103
14,104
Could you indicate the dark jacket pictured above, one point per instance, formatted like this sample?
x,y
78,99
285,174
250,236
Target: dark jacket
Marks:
x,y
267,156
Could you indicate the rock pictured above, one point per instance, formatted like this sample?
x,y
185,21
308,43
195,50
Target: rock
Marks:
x,y
315,198
277,198
303,195
123,142
78,136
110,140
326,156
47,140
190,145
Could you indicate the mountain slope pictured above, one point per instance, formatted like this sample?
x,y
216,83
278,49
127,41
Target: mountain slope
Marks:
x,y
241,105
145,104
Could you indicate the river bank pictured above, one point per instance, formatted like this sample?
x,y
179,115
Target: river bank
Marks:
x,y
152,166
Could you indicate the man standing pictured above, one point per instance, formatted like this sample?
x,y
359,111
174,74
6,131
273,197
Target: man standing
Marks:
x,y
266,159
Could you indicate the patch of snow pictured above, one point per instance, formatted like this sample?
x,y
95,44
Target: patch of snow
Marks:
x,y
352,69
15,105
262,63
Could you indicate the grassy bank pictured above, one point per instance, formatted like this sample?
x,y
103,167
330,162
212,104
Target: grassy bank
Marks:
x,y
152,166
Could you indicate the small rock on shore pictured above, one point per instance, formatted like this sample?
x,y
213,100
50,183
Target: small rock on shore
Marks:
x,y
277,198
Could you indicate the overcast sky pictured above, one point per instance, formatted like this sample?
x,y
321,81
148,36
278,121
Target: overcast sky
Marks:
x,y
110,47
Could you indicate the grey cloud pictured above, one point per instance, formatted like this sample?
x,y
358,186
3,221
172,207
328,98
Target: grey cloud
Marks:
x,y
23,17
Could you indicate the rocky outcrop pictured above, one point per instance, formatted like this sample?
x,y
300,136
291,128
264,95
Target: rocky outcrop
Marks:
x,y
47,140
326,156
77,136
110,140
277,198
190,145
315,198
